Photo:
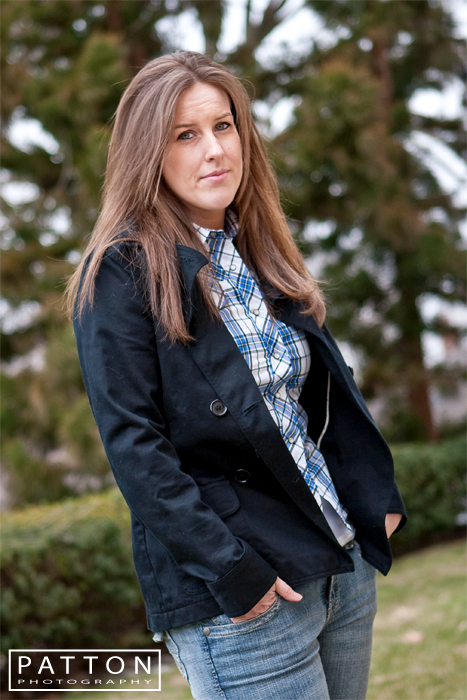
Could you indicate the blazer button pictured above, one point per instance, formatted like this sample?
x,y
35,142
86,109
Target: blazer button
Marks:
x,y
218,408
242,476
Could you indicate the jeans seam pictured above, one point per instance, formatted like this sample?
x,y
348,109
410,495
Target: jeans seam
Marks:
x,y
210,663
178,656
333,597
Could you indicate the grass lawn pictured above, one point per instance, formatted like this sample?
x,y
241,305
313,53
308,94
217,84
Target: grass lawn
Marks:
x,y
420,630
420,634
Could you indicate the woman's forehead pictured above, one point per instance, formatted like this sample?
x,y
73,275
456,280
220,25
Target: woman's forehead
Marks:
x,y
199,100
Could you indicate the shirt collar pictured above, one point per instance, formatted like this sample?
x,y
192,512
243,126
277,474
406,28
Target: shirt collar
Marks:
x,y
229,231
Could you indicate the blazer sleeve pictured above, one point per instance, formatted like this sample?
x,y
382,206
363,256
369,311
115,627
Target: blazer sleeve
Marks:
x,y
396,505
118,354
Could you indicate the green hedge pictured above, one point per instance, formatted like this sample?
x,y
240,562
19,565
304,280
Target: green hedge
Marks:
x,y
67,572
68,578
432,481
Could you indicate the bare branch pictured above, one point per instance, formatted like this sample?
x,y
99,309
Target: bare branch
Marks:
x,y
256,33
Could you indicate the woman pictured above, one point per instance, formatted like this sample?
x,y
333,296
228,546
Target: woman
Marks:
x,y
261,492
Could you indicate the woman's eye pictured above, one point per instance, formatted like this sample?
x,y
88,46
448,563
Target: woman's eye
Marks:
x,y
185,136
222,126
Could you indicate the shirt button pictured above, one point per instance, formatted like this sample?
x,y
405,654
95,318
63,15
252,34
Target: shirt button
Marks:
x,y
206,631
256,312
276,355
218,408
233,267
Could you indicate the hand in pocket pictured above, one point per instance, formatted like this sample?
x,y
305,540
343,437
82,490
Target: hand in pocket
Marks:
x,y
281,588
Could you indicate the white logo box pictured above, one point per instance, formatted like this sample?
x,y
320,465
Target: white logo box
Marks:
x,y
125,670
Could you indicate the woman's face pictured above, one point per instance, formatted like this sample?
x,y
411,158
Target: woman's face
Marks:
x,y
203,165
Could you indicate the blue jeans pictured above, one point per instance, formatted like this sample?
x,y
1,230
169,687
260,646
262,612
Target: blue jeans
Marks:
x,y
316,649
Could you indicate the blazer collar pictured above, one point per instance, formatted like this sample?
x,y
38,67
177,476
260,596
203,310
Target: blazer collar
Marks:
x,y
191,262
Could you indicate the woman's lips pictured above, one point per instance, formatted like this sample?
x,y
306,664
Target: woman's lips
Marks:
x,y
216,176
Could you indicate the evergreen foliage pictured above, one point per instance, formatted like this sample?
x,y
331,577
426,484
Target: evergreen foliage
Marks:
x,y
392,237
345,161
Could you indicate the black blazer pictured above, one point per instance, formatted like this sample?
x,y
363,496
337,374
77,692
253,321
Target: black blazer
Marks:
x,y
219,507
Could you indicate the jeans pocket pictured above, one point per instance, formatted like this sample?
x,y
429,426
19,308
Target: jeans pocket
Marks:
x,y
223,625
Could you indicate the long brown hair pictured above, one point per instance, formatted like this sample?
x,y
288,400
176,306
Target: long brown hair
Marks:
x,y
138,205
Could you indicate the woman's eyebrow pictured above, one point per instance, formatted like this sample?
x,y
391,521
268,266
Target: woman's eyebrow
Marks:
x,y
186,126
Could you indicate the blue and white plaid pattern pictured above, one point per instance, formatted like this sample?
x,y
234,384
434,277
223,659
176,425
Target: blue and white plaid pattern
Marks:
x,y
278,357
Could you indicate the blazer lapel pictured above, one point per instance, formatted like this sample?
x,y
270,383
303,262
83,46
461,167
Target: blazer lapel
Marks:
x,y
215,352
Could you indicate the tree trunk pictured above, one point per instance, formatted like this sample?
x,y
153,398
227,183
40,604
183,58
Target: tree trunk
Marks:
x,y
419,399
415,373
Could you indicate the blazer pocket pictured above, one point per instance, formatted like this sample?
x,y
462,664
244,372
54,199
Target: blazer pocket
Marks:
x,y
221,497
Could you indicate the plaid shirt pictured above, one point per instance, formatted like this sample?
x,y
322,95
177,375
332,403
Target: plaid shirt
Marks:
x,y
278,356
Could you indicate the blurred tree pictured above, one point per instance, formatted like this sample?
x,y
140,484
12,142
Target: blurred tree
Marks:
x,y
65,64
391,237
345,160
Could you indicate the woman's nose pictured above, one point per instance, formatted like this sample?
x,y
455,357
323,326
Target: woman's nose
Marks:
x,y
212,147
